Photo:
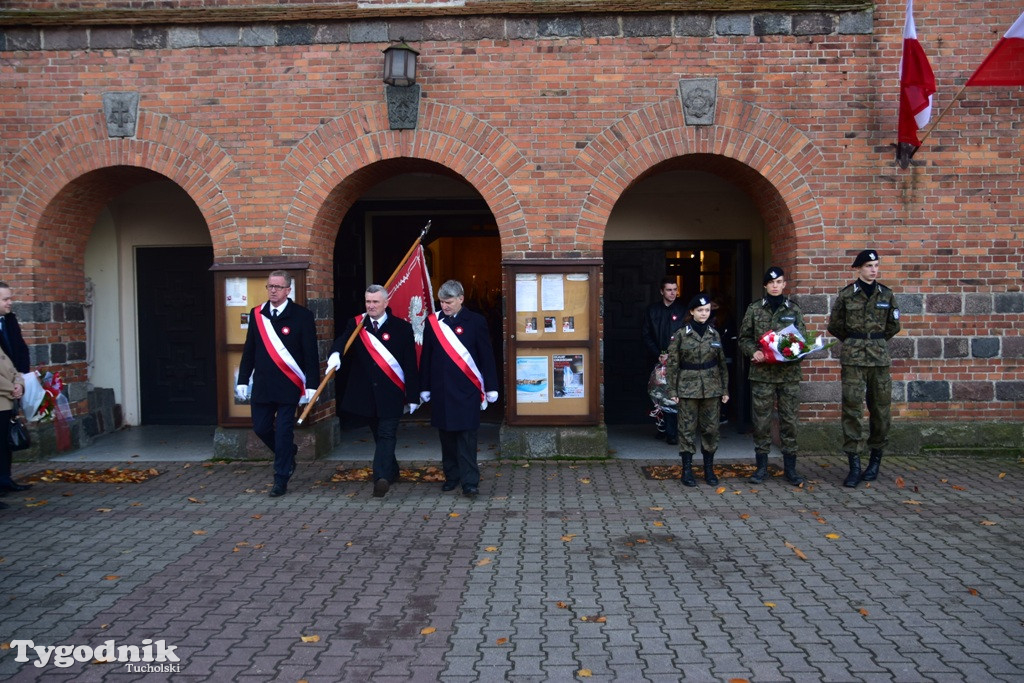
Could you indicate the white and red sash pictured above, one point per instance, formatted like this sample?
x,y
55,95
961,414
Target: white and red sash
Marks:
x,y
457,351
278,352
384,359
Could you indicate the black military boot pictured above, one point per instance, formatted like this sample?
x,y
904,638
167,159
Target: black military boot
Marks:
x,y
871,471
709,469
762,468
789,468
688,478
853,478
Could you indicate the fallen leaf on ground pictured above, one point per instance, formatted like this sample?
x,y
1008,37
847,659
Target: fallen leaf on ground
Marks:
x,y
427,630
972,591
1002,475
195,500
104,509
112,475
832,536
863,612
36,504
483,562
255,516
311,639
745,516
584,673
491,548
453,514
199,532
585,480
561,604
111,577
769,604
987,523
656,508
912,502
799,553
659,524
720,489
568,537
501,641
900,483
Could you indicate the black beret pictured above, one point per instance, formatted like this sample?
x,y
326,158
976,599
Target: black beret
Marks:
x,y
699,300
772,273
863,257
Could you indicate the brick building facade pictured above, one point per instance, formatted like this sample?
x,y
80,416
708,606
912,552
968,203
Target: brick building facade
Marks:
x,y
259,132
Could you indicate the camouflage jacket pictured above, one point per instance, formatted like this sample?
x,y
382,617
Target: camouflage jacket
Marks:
x,y
696,365
864,324
760,318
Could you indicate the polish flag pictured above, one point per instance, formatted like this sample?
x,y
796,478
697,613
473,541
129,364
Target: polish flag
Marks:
x,y
917,84
1005,64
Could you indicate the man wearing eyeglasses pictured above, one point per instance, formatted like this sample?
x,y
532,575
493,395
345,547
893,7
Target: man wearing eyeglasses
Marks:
x,y
280,355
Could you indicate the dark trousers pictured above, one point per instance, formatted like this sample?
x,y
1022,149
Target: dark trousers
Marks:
x,y
5,447
385,434
671,425
458,457
274,423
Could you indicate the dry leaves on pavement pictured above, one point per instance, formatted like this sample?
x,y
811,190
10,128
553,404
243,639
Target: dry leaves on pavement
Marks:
x,y
112,475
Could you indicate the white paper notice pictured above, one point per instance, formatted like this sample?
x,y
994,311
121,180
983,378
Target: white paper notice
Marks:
x,y
236,291
526,292
552,292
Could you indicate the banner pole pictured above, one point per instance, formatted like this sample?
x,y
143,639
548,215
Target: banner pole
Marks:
x,y
355,332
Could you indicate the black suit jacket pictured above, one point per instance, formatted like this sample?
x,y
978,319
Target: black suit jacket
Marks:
x,y
454,399
370,392
17,351
297,329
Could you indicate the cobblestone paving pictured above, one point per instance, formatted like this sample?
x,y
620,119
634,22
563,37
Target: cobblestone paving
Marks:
x,y
557,571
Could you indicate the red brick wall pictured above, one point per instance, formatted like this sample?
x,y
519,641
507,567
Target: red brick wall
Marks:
x,y
550,118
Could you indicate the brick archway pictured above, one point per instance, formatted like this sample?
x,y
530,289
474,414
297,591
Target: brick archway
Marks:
x,y
761,153
339,161
71,171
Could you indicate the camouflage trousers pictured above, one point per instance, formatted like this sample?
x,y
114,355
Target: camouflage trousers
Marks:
x,y
871,385
699,415
764,397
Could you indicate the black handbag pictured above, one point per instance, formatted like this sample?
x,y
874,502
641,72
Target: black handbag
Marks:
x,y
17,437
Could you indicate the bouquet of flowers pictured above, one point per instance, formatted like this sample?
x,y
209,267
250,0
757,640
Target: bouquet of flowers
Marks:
x,y
788,345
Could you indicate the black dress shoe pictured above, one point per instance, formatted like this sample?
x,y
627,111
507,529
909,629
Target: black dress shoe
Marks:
x,y
470,491
278,490
449,486
380,487
14,486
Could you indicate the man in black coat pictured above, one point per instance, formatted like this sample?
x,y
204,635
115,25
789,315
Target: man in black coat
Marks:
x,y
11,341
459,375
281,357
383,380
661,320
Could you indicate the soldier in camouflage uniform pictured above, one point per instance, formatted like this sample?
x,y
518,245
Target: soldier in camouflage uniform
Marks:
x,y
699,379
864,317
773,383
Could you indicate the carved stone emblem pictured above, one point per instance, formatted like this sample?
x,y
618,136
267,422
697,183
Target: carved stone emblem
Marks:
x,y
122,112
698,97
403,106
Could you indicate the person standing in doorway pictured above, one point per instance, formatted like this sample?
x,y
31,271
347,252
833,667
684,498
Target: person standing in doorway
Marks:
x,y
773,385
383,381
11,341
864,318
459,375
698,379
661,320
281,357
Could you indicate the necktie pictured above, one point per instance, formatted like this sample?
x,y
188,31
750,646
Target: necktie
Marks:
x,y
273,312
376,327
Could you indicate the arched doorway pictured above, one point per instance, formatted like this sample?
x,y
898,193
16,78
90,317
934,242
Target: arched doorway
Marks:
x,y
150,323
463,244
700,227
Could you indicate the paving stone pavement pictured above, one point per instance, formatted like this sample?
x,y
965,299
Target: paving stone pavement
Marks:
x,y
557,570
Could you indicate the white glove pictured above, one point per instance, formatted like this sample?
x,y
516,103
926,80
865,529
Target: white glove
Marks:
x,y
307,397
492,396
424,397
412,407
334,362
241,391
483,404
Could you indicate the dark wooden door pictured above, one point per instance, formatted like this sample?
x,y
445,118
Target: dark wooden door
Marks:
x,y
177,363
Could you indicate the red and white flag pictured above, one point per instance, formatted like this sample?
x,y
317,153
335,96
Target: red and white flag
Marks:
x,y
1005,63
410,295
917,84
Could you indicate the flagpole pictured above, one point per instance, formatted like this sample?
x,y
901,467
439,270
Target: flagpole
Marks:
x,y
924,136
355,332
